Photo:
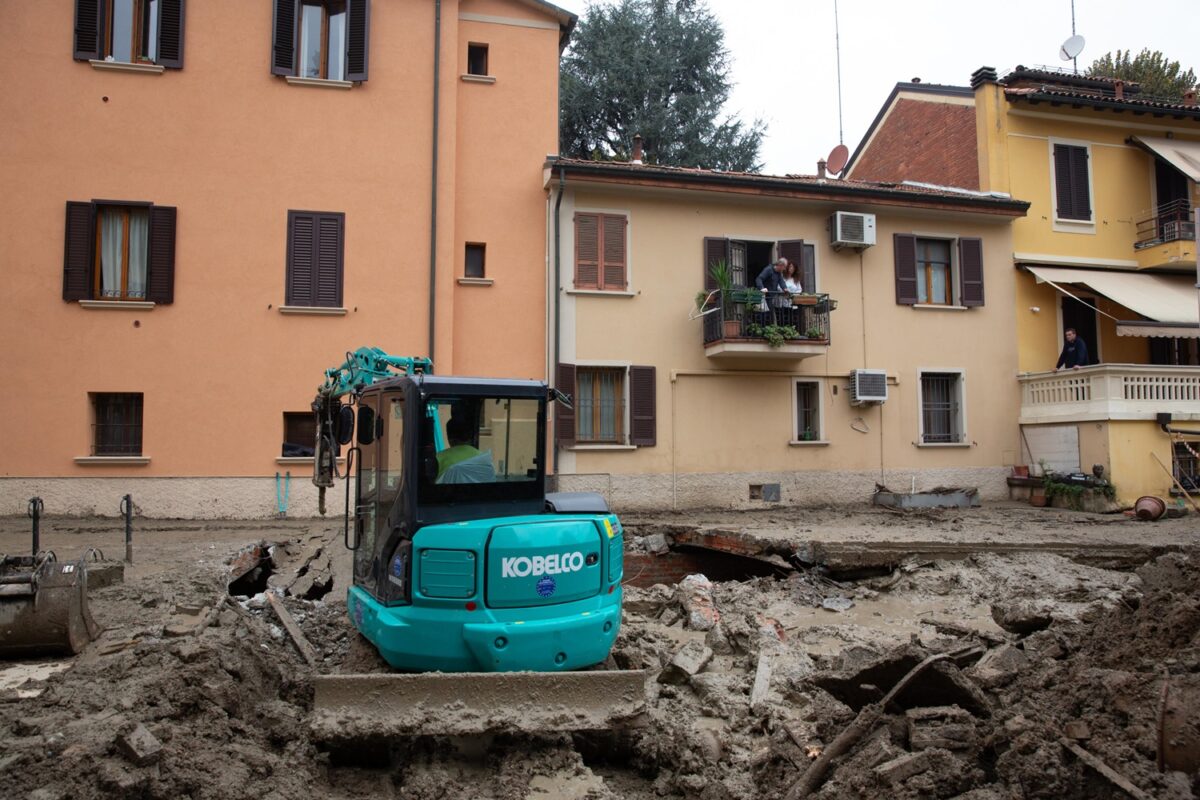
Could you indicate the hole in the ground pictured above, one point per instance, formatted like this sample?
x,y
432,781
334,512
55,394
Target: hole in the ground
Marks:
x,y
250,570
936,686
646,569
319,589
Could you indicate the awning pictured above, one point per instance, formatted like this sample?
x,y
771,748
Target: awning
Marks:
x,y
1166,299
1146,329
1184,156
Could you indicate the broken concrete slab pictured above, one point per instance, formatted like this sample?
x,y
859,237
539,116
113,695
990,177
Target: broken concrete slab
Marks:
x,y
945,727
186,620
941,497
999,666
139,745
105,573
691,659
762,683
1023,616
904,767
696,596
1044,644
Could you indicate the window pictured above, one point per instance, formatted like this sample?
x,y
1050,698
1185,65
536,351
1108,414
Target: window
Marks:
x,y
746,259
315,259
130,31
808,411
117,429
927,272
1186,458
477,59
600,259
119,251
610,405
321,39
941,408
475,260
1072,186
299,434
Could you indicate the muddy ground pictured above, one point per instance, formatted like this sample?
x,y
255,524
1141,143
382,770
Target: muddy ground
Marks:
x,y
754,680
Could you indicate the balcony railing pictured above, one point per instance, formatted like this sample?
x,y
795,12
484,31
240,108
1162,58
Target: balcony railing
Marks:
x,y
776,318
1110,391
1170,222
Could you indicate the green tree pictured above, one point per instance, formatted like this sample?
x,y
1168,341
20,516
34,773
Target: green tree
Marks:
x,y
1158,76
656,68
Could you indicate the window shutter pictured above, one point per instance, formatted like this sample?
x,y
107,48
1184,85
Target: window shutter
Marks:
x,y
300,259
1071,182
283,50
642,406
970,265
613,249
358,38
160,281
329,253
809,279
793,251
1062,182
170,33
715,250
78,251
564,418
1081,199
87,29
905,246
587,251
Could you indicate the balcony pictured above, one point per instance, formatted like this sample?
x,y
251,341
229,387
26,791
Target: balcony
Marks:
x,y
1167,237
1110,391
750,325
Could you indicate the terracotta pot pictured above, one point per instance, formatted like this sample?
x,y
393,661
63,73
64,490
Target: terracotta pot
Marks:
x,y
1038,500
733,329
1020,472
1149,508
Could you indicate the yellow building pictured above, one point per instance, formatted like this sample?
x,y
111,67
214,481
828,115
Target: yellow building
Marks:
x,y
882,370
1108,248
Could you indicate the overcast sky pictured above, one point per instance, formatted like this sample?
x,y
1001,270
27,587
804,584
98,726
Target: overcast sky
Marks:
x,y
785,66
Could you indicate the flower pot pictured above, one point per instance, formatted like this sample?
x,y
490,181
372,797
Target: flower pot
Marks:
x,y
1020,472
1038,500
733,329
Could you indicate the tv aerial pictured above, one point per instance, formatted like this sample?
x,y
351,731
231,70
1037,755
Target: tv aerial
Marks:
x,y
1071,48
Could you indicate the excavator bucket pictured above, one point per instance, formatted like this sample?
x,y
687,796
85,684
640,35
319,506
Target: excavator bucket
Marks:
x,y
353,708
43,607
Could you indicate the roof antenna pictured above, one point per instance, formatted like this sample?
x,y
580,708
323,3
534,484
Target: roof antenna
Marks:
x,y
1072,47
837,38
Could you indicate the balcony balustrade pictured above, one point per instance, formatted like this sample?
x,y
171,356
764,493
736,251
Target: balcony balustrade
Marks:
x,y
1110,391
746,323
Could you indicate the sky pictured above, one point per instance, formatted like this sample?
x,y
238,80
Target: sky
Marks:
x,y
785,62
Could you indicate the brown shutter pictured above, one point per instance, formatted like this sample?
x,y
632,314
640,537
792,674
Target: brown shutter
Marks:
x,y
170,33
587,251
905,246
1062,182
1071,182
160,280
329,251
613,250
358,38
642,406
564,418
87,30
970,265
1080,194
809,278
78,253
715,249
283,49
793,251
300,259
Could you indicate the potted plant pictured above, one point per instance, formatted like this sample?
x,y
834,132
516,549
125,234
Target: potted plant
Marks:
x,y
722,276
814,333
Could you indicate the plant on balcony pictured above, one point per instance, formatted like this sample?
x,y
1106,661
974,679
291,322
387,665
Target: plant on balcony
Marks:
x,y
775,335
814,333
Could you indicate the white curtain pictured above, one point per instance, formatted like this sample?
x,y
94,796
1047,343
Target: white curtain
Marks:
x,y
111,235
139,238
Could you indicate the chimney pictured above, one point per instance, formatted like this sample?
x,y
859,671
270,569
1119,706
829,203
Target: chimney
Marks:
x,y
983,75
1119,88
637,148
1189,97
821,169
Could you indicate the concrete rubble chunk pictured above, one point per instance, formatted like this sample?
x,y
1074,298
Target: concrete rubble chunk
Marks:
x,y
906,766
718,640
999,666
185,620
655,543
1022,617
691,659
648,602
140,746
1043,644
696,597
762,683
1077,729
945,727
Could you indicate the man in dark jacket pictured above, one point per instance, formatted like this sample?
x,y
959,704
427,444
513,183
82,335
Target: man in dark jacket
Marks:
x,y
1074,353
771,278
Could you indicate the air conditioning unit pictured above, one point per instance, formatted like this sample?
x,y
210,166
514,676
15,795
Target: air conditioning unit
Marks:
x,y
1176,230
868,386
849,229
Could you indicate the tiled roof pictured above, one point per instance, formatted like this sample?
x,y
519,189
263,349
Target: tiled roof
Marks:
x,y
1035,85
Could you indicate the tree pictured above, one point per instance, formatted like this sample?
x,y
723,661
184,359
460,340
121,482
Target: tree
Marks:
x,y
1158,77
656,68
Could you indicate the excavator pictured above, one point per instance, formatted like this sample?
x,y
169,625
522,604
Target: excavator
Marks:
x,y
495,602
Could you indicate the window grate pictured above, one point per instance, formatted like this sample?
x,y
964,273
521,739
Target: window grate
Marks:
x,y
940,409
117,430
808,423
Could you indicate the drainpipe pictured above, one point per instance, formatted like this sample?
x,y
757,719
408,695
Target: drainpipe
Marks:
x,y
562,183
1164,422
433,190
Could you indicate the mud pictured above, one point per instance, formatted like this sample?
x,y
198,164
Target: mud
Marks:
x,y
765,678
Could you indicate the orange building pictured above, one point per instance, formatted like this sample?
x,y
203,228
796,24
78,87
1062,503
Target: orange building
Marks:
x,y
207,204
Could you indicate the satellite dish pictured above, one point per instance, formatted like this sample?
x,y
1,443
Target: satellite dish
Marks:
x,y
1071,48
838,157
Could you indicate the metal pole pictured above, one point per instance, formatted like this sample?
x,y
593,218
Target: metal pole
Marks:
x,y
35,513
127,510
1196,249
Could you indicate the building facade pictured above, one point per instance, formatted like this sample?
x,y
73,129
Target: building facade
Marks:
x,y
687,398
208,204
1108,248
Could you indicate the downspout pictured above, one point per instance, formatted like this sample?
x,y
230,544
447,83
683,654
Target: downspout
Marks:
x,y
433,190
562,183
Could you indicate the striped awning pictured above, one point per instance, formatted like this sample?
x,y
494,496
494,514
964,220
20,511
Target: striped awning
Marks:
x,y
1169,303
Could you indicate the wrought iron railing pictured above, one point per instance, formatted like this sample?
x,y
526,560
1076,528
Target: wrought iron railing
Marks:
x,y
115,439
1168,223
772,317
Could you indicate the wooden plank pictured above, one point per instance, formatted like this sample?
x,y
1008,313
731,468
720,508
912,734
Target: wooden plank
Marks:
x,y
293,630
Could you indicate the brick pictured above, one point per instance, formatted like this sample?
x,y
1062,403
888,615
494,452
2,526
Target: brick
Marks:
x,y
690,660
923,140
901,769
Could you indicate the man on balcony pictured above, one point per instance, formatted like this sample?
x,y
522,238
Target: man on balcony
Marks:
x,y
1074,353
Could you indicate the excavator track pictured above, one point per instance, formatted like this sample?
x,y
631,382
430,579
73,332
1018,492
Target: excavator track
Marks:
x,y
360,707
